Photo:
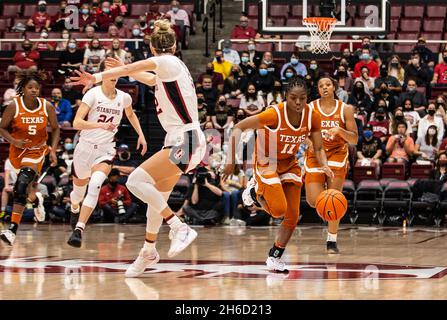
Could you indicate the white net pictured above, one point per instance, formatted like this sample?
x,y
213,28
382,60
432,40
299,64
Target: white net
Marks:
x,y
320,33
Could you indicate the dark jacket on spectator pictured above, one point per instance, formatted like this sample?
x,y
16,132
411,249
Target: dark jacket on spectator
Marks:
x,y
265,84
211,95
417,97
422,76
239,82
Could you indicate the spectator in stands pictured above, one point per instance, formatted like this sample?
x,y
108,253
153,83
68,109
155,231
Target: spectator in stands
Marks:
x,y
221,65
211,93
350,59
440,73
299,67
251,102
366,44
26,59
58,20
366,60
115,200
427,56
143,52
232,187
412,117
123,31
340,93
85,19
74,96
383,93
243,31
10,93
277,95
142,24
10,177
395,69
105,18
124,163
153,15
441,168
267,59
431,119
368,82
254,55
344,79
118,8
136,34
45,45
62,45
397,118
202,107
235,84
381,125
400,147
417,70
418,98
63,108
218,81
382,47
440,108
230,55
222,115
359,97
40,19
392,84
71,59
248,67
380,103
264,80
427,147
116,51
314,70
177,13
370,149
93,56
355,45
89,34
269,23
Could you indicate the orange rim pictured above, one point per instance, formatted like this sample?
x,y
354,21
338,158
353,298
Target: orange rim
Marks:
x,y
322,23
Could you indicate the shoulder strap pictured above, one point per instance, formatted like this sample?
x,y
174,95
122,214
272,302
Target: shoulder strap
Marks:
x,y
18,104
43,102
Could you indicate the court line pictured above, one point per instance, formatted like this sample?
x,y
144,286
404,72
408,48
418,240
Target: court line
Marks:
x,y
432,238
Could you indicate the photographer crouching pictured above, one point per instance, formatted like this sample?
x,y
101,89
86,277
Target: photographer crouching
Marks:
x,y
115,200
205,205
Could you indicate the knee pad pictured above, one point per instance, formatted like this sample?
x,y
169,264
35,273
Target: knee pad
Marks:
x,y
94,186
25,178
77,194
154,218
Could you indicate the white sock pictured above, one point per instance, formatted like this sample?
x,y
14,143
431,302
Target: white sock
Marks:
x,y
80,226
331,237
148,246
174,222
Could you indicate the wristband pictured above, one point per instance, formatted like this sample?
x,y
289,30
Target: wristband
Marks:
x,y
98,77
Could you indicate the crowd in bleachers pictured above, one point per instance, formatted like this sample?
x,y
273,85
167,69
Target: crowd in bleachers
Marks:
x,y
399,106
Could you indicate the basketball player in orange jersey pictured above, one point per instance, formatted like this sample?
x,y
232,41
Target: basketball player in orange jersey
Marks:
x,y
24,126
277,175
338,129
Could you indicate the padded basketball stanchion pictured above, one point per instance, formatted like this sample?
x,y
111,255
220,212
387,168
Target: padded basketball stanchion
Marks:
x,y
320,32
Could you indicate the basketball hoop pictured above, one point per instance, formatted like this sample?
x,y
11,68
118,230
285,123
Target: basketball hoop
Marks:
x,y
320,32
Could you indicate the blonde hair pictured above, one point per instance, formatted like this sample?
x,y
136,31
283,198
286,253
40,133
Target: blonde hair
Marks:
x,y
163,37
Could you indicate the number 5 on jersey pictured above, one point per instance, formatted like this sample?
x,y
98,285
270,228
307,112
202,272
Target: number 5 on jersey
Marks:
x,y
32,130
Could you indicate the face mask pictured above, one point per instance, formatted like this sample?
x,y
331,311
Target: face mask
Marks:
x,y
68,146
27,47
411,90
241,116
119,24
263,72
289,75
226,50
207,87
113,183
313,66
394,65
431,112
72,45
384,90
278,88
294,61
381,36
222,103
341,73
431,132
200,101
244,24
209,71
84,11
367,134
346,54
42,8
399,118
251,47
44,35
124,156
359,89
56,98
136,32
219,59
142,23
408,108
235,72
383,73
106,10
380,118
364,56
65,36
244,59
96,46
175,9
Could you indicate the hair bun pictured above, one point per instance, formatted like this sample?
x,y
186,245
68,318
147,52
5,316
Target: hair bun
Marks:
x,y
162,25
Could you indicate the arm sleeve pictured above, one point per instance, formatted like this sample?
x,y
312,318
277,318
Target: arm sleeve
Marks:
x,y
268,118
316,121
89,98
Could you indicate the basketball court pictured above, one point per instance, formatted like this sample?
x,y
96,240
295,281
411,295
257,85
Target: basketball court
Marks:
x,y
227,263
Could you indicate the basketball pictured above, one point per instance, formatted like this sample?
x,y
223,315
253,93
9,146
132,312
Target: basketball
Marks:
x,y
331,205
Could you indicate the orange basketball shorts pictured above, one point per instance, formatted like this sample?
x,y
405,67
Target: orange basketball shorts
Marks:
x,y
337,160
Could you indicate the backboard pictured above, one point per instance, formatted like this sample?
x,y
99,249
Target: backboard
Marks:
x,y
354,17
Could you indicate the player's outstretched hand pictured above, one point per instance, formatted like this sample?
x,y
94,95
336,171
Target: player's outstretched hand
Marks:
x,y
21,143
109,126
53,158
142,142
84,79
227,171
328,172
114,62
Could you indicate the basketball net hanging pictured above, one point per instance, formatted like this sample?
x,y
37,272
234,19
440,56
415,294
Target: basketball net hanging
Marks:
x,y
320,32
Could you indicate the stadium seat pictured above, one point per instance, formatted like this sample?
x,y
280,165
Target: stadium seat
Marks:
x,y
414,11
297,11
130,89
289,47
188,7
253,22
294,22
368,199
393,170
396,201
234,103
52,9
164,7
137,9
239,46
5,23
410,25
67,133
434,11
403,48
408,36
443,198
349,193
394,24
431,36
265,46
12,10
4,150
396,11
421,171
364,173
252,10
279,21
433,25
425,210
279,10
29,10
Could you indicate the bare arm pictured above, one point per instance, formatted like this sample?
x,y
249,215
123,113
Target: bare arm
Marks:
x,y
195,194
213,188
378,154
136,125
350,134
317,142
80,124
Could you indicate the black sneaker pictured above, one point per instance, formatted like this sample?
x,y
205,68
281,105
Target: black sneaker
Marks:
x,y
75,239
74,217
331,247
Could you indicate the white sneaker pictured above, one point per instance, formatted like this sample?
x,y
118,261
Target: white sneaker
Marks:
x,y
144,260
275,264
247,199
180,239
8,237
39,212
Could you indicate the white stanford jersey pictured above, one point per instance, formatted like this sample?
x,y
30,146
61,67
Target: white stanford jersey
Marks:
x,y
102,109
175,93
